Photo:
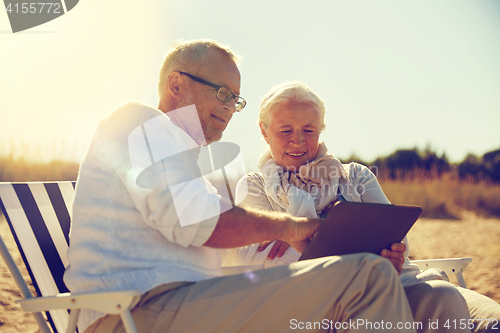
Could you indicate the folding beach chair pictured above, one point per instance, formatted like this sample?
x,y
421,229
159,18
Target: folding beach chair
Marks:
x,y
451,266
39,217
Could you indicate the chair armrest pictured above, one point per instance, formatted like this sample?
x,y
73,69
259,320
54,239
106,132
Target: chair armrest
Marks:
x,y
232,270
110,302
450,266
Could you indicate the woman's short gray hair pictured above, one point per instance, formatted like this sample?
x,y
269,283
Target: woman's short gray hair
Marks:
x,y
295,93
186,55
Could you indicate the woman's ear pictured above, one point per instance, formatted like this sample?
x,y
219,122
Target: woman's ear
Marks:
x,y
264,134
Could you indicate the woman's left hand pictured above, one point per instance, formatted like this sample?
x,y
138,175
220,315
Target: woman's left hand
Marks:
x,y
396,255
278,248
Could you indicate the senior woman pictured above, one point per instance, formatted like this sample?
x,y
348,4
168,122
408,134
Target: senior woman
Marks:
x,y
299,177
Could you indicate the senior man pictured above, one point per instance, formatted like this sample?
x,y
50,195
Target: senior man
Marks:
x,y
126,236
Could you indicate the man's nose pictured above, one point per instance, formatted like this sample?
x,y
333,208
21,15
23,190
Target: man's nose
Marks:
x,y
231,105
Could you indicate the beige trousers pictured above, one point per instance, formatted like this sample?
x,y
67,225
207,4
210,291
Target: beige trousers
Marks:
x,y
360,293
439,306
456,309
484,312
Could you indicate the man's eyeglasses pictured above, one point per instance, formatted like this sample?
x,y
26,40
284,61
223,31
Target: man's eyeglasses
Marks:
x,y
223,94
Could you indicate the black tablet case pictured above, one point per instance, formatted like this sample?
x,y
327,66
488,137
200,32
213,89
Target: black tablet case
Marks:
x,y
353,227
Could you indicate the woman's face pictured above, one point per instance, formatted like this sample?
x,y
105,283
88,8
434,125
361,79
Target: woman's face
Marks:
x,y
293,135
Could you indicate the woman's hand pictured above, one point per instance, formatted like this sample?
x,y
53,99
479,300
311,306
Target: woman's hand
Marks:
x,y
278,248
396,255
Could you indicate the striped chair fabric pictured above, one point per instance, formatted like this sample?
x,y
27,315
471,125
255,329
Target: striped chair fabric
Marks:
x,y
38,215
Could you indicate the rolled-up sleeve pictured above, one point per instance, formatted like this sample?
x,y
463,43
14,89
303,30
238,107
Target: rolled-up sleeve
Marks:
x,y
250,192
161,176
185,213
366,184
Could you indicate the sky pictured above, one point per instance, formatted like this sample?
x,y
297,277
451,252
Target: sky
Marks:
x,y
393,74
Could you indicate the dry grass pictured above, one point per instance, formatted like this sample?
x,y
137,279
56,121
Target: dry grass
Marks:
x,y
21,162
445,197
14,169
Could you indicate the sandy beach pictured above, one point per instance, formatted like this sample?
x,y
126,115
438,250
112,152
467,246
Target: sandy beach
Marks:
x,y
473,236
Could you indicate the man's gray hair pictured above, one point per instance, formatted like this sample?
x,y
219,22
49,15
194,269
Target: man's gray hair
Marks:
x,y
294,93
188,55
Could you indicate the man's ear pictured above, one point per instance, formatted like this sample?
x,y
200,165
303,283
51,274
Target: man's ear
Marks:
x,y
175,84
264,134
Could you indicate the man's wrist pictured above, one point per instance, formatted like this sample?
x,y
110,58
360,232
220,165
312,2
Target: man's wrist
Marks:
x,y
287,229
279,225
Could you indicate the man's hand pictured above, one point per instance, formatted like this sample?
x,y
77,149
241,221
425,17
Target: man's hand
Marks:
x,y
244,226
278,249
395,255
301,231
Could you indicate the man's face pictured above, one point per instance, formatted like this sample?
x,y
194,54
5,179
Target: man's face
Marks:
x,y
215,115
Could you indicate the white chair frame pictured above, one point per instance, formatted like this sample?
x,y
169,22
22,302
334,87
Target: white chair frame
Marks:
x,y
118,302
451,266
51,300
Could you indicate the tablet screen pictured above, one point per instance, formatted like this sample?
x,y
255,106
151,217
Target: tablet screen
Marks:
x,y
353,227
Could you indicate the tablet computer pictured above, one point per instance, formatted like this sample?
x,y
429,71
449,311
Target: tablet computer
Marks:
x,y
354,227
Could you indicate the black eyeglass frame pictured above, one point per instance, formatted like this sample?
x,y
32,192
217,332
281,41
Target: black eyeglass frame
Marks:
x,y
239,101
